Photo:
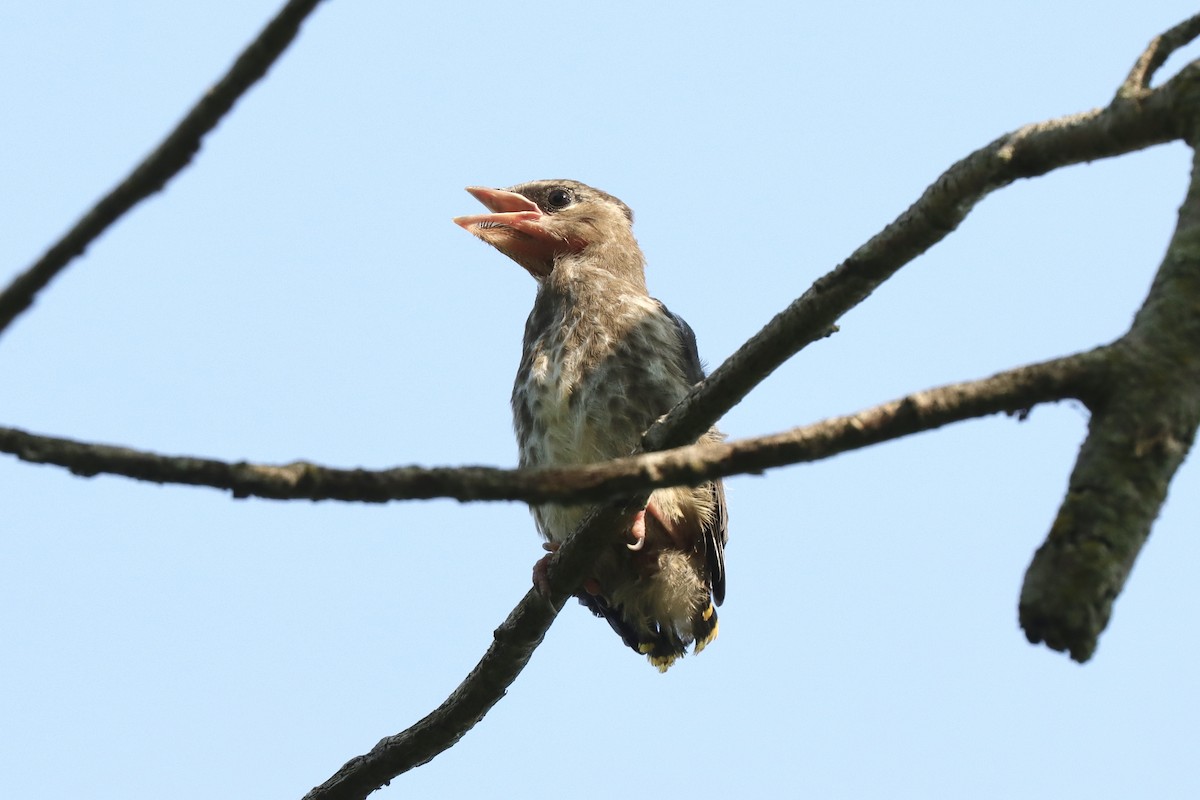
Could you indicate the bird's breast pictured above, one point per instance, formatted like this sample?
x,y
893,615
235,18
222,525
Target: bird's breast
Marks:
x,y
593,380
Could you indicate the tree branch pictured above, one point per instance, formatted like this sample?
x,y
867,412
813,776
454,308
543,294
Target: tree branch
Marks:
x,y
1119,128
1155,55
1010,391
1138,437
166,161
512,646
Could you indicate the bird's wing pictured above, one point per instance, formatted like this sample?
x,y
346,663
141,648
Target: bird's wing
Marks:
x,y
693,369
714,535
600,607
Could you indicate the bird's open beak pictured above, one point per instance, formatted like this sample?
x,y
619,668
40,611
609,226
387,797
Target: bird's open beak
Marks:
x,y
508,208
515,227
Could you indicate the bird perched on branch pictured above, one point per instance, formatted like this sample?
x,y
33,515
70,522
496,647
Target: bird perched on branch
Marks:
x,y
601,361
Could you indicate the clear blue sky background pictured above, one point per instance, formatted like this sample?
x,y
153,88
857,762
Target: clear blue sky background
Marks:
x,y
300,292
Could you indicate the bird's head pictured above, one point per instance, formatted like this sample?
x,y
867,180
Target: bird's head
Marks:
x,y
537,224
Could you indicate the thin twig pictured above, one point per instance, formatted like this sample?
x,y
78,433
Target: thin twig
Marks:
x,y
1155,55
166,161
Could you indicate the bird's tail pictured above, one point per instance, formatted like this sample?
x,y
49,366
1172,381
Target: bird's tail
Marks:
x,y
665,649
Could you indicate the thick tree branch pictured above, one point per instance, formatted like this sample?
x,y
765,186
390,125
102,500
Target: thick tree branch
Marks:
x,y
1138,437
1011,391
167,160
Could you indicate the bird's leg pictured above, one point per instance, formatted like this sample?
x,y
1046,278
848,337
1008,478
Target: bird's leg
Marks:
x,y
541,577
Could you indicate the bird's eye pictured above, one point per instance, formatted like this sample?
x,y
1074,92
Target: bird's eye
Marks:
x,y
558,198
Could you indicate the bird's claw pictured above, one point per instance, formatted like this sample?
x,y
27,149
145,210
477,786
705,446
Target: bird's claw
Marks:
x,y
638,532
541,573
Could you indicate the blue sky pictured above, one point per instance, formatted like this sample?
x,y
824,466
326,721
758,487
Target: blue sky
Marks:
x,y
300,292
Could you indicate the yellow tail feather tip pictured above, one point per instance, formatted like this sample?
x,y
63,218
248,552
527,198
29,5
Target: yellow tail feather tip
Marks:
x,y
707,640
662,663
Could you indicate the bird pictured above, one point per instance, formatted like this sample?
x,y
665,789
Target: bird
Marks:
x,y
601,361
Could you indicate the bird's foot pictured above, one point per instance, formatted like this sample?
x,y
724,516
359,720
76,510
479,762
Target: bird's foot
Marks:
x,y
541,569
541,572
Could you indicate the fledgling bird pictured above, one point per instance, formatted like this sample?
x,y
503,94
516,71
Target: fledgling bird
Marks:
x,y
601,361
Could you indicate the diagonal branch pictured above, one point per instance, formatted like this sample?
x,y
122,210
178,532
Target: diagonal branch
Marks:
x,y
512,646
1029,151
167,160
